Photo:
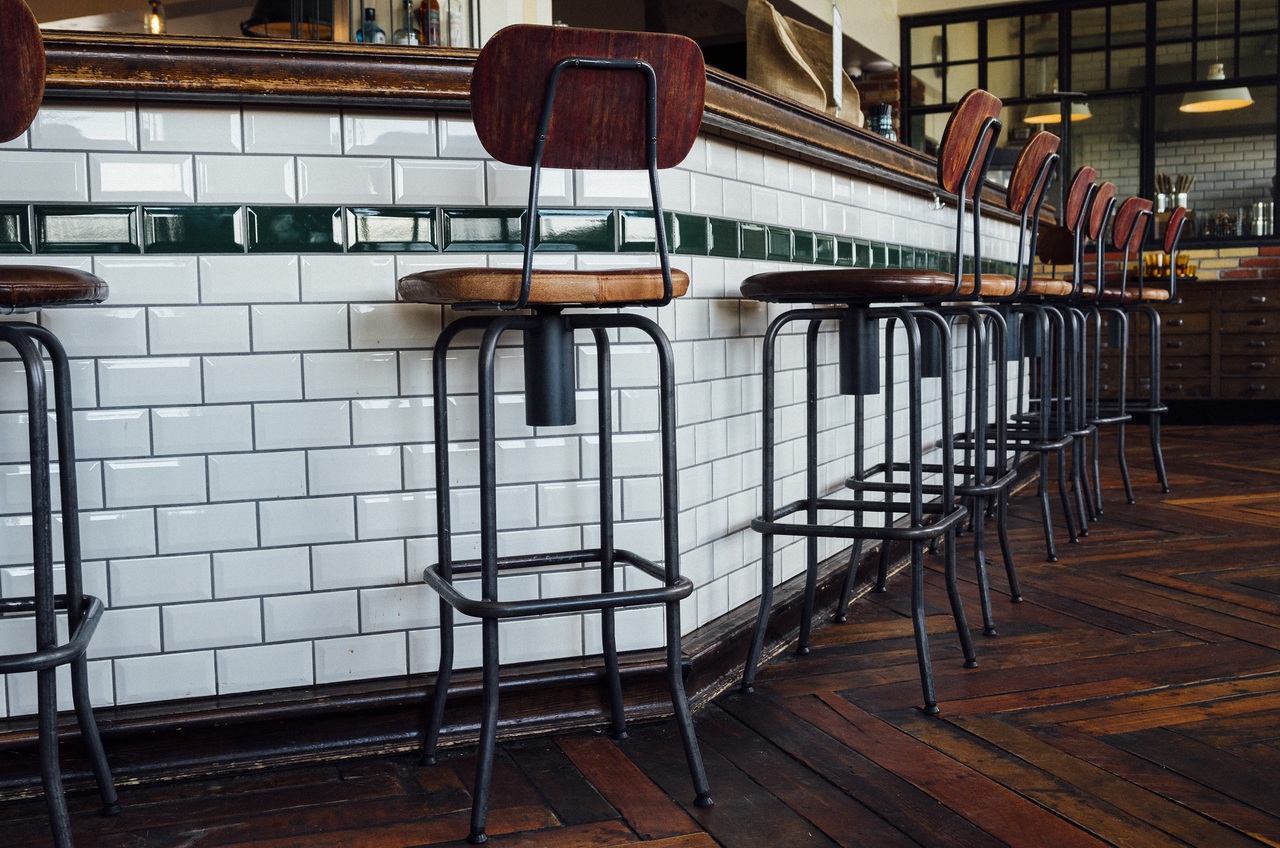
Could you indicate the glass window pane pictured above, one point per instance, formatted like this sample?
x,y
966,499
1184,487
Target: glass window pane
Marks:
x,y
1088,29
962,42
1107,142
1129,67
926,45
1015,135
1173,64
1004,78
960,78
1173,20
1004,36
1089,71
1129,24
1257,55
926,87
1258,15
1041,32
1042,74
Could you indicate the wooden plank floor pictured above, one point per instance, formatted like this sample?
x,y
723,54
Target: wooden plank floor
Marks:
x,y
1132,700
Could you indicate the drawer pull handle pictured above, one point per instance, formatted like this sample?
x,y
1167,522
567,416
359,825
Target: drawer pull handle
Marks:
x,y
1258,298
1257,387
1258,322
1257,342
1175,322
1174,366
1174,345
1257,366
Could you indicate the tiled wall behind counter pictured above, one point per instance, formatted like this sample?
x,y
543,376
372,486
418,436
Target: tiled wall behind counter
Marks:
x,y
253,418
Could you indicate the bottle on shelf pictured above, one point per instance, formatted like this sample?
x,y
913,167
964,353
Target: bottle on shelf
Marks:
x,y
370,32
455,24
429,12
408,30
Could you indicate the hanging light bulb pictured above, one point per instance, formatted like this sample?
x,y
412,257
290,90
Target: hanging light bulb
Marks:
x,y
1216,99
153,20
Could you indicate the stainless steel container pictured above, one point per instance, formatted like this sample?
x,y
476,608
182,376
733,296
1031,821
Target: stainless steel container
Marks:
x,y
1264,218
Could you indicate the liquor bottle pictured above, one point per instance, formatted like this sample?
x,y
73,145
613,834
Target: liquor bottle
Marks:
x,y
370,32
455,24
430,13
408,31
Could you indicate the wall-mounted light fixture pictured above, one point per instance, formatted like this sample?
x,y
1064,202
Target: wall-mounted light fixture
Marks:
x,y
153,20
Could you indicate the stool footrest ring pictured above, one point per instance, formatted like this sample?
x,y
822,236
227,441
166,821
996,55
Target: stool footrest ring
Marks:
x,y
72,649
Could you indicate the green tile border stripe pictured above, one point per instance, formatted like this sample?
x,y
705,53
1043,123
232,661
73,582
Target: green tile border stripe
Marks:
x,y
299,228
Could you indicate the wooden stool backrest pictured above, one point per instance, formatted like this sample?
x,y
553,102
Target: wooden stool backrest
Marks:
x,y
968,142
21,68
1103,202
598,121
1078,196
1130,229
1033,172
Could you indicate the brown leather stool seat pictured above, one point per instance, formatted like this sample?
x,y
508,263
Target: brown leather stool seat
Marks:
x,y
560,288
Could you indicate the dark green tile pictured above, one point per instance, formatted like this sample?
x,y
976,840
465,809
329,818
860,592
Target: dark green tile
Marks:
x,y
844,252
894,259
755,241
577,229
192,229
862,257
87,229
295,229
779,243
724,238
802,249
635,231
15,236
392,228
687,234
483,229
879,254
824,249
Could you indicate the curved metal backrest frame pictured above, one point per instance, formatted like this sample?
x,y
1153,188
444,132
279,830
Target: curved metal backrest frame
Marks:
x,y
22,68
1101,206
1172,235
964,155
559,97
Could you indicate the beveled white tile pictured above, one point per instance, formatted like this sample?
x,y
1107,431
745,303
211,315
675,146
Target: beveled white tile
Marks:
x,y
312,520
291,131
361,657
85,126
707,194
312,616
609,188
202,429
310,424
300,327
141,178
508,185
259,572
112,433
199,329
246,179
126,632
195,129
260,377
458,139
39,177
214,624
358,564
395,515
344,180
160,580
165,677
15,487
375,134
264,667
214,527
548,637
351,470
249,279
439,182
398,608
153,482
391,421
346,279
257,476
152,381
149,279
362,374
99,330
394,325
21,688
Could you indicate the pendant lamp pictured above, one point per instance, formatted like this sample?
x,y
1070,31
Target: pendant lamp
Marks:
x,y
313,20
1216,99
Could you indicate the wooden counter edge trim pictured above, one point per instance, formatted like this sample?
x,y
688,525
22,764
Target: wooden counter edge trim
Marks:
x,y
91,65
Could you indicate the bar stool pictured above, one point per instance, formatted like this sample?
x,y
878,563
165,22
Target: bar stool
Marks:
x,y
27,289
966,148
565,98
1140,303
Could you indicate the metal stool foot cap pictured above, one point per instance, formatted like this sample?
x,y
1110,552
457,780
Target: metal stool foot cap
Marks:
x,y
618,736
1165,489
881,588
930,709
802,651
1132,501
478,837
970,663
112,809
428,759
989,631
840,618
703,800
1051,559
747,689
1016,599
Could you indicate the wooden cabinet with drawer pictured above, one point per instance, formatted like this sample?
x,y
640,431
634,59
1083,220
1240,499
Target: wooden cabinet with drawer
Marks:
x,y
1248,338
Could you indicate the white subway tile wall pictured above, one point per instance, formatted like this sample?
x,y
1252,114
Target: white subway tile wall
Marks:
x,y
255,431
